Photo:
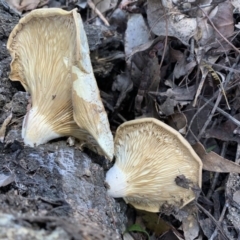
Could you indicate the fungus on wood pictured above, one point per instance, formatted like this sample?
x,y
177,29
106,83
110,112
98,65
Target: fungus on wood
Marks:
x,y
50,57
150,156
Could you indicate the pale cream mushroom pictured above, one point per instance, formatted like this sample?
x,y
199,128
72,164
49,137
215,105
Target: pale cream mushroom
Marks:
x,y
50,57
150,156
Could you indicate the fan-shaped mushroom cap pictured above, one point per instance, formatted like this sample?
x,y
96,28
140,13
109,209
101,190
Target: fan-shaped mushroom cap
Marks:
x,y
149,157
49,53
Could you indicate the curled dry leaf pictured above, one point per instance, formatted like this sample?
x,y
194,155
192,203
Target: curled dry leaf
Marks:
x,y
215,163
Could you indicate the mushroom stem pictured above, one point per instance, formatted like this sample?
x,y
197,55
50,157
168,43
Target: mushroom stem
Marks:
x,y
118,182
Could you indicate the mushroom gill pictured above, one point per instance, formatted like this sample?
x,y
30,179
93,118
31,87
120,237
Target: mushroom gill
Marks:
x,y
45,47
150,156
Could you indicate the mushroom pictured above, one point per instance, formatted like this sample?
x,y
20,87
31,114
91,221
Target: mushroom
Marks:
x,y
150,156
50,57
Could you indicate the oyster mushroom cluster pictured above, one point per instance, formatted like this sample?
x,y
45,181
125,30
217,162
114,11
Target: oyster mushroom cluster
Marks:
x,y
50,57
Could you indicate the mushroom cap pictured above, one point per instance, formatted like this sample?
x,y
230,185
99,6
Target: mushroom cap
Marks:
x,y
150,155
46,48
88,109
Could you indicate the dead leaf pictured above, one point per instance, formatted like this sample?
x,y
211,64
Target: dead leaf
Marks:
x,y
236,197
153,222
226,131
183,67
4,127
190,227
175,54
222,18
6,179
175,25
178,121
207,226
137,33
215,163
123,84
174,96
118,20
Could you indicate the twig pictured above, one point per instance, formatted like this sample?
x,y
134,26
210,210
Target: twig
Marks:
x,y
227,115
213,219
219,98
200,86
165,44
220,220
216,104
90,19
222,67
201,108
216,175
210,21
208,101
94,8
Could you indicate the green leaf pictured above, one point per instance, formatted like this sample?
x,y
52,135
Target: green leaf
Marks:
x,y
137,228
208,150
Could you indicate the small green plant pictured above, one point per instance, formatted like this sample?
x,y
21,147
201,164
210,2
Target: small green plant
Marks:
x,y
208,150
137,228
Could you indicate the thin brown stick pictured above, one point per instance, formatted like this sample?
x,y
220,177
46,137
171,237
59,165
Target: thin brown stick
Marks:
x,y
201,108
236,49
219,98
216,175
94,8
227,115
222,67
220,220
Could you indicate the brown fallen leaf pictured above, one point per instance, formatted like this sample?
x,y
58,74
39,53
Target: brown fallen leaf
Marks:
x,y
213,162
4,127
